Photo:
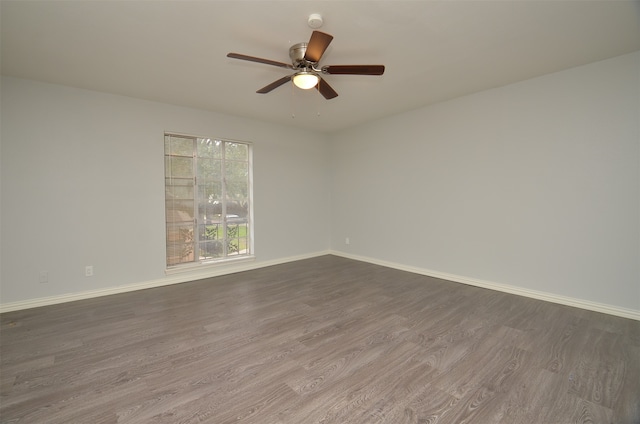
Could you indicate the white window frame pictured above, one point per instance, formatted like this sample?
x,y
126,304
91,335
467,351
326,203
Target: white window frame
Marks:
x,y
225,258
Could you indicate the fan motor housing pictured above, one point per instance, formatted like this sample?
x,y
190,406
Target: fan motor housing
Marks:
x,y
296,53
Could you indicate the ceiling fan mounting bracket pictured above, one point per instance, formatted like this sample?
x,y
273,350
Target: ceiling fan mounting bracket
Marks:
x,y
296,53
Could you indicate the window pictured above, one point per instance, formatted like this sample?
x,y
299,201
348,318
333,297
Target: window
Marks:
x,y
208,199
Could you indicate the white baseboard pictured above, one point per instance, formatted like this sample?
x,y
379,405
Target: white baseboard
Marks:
x,y
247,266
176,278
549,297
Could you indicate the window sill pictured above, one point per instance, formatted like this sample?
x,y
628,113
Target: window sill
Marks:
x,y
209,265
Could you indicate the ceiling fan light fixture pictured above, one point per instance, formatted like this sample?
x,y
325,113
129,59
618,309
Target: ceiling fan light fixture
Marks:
x,y
305,80
304,63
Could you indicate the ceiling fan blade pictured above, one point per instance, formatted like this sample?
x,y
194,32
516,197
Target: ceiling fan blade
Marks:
x,y
353,69
325,89
259,60
317,45
274,85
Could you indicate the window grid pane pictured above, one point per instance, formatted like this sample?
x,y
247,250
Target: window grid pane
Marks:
x,y
207,199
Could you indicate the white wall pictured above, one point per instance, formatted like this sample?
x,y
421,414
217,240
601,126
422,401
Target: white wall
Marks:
x,y
83,184
535,185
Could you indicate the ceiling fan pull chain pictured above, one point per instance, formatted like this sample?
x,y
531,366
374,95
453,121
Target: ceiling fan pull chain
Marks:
x,y
292,101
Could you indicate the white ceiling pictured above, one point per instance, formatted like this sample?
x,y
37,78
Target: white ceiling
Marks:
x,y
175,51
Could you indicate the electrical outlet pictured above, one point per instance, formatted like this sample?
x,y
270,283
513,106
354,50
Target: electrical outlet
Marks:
x,y
88,271
347,241
43,277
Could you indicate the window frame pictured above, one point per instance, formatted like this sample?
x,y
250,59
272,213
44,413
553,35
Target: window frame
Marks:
x,y
225,258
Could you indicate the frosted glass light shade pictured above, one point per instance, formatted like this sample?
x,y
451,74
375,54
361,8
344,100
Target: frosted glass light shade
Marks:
x,y
305,80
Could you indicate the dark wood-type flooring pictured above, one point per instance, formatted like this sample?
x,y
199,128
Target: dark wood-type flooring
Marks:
x,y
323,340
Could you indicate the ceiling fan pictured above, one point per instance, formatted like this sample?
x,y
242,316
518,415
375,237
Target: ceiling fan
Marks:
x,y
304,60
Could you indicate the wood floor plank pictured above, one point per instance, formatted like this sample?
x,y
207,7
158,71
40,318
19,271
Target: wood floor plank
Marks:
x,y
322,340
